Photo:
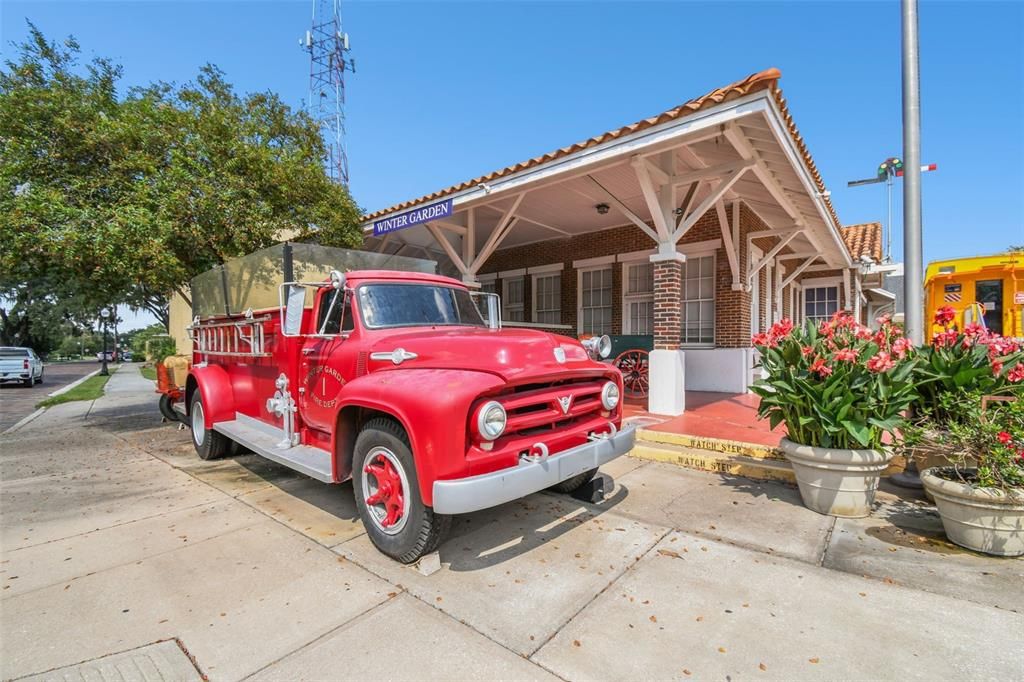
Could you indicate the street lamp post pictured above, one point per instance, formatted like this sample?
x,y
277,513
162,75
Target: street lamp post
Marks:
x,y
104,315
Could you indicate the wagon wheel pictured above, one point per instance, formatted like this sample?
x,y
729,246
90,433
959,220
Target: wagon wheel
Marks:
x,y
634,367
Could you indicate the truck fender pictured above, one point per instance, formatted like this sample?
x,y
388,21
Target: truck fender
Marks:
x,y
214,385
431,405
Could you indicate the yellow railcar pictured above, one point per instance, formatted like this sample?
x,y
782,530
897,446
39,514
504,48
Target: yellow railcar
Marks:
x,y
979,288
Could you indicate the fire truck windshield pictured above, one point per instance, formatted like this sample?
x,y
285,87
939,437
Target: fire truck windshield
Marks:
x,y
416,305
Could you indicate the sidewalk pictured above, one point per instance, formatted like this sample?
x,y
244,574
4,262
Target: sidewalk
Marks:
x,y
115,535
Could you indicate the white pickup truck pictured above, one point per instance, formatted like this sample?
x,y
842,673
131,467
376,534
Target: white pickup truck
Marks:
x,y
20,364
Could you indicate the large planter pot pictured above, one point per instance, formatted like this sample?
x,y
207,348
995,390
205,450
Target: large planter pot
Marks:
x,y
981,519
834,481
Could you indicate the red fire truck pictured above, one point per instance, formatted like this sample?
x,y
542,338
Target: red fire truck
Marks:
x,y
372,368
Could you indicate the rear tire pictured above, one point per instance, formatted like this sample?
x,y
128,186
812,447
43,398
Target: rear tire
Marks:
x,y
571,484
208,443
167,408
387,494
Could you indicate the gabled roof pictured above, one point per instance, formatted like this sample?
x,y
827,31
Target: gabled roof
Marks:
x,y
762,80
864,239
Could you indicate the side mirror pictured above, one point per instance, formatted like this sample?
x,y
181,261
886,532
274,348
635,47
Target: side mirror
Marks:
x,y
294,301
489,306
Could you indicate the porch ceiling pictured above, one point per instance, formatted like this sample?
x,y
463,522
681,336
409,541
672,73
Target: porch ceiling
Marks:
x,y
558,198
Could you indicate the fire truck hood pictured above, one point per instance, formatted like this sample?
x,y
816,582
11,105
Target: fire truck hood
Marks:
x,y
513,354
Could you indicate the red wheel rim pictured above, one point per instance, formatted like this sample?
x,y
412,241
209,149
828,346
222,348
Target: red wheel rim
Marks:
x,y
635,378
384,490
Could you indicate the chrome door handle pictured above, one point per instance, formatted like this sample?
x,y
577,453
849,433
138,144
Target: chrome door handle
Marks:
x,y
307,351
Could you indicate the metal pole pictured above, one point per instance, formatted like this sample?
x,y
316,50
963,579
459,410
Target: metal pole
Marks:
x,y
913,273
913,276
888,225
103,370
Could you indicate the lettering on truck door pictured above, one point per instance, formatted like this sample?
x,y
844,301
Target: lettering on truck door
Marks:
x,y
323,369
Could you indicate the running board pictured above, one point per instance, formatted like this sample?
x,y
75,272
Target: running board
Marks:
x,y
263,438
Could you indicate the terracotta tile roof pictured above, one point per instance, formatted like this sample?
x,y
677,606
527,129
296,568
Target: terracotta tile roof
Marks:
x,y
762,80
864,240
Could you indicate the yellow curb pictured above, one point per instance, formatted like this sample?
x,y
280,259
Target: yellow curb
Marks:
x,y
722,445
716,462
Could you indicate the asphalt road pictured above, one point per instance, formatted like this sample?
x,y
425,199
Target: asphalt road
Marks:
x,y
17,401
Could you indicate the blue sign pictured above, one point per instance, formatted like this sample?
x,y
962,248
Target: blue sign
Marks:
x,y
424,214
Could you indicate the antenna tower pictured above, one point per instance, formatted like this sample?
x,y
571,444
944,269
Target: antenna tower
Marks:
x,y
329,59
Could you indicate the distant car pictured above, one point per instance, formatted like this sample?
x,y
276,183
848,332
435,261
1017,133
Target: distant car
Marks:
x,y
109,353
20,364
126,356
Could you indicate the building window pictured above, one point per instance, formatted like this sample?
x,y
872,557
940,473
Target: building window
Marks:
x,y
639,298
547,298
596,301
820,303
489,286
512,301
698,300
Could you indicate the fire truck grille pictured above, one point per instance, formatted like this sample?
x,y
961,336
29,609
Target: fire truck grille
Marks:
x,y
539,409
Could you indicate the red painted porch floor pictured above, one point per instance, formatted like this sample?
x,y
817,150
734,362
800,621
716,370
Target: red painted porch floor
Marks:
x,y
712,415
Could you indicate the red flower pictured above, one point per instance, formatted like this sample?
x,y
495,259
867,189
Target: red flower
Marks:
x,y
819,367
1016,374
1004,437
765,340
945,339
945,315
846,355
884,320
997,367
782,328
901,346
864,333
880,362
975,330
806,350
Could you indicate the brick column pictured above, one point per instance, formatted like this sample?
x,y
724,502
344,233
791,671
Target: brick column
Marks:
x,y
666,364
668,282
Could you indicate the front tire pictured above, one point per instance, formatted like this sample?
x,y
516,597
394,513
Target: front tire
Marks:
x,y
208,443
387,494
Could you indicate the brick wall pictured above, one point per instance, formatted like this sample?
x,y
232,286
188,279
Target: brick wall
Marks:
x,y
732,308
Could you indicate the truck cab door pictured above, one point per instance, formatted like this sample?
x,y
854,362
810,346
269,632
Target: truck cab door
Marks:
x,y
324,367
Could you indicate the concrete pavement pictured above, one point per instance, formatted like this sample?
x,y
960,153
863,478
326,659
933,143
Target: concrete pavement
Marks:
x,y
114,535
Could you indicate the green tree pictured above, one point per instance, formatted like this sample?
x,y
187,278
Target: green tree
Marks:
x,y
126,198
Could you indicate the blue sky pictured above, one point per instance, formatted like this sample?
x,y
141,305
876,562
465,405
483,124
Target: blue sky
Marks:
x,y
446,91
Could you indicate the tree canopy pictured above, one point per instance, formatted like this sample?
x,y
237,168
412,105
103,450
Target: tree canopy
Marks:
x,y
108,197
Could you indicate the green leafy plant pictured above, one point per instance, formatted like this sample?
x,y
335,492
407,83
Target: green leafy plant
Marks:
x,y
838,384
988,444
961,363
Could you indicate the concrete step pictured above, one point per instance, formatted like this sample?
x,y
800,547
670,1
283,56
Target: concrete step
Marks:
x,y
761,468
720,445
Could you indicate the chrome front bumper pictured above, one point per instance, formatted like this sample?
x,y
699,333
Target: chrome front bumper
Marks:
x,y
463,495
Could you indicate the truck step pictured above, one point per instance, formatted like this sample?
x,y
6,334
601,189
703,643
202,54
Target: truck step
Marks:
x,y
263,438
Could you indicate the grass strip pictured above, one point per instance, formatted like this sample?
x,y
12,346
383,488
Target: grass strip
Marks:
x,y
149,372
90,389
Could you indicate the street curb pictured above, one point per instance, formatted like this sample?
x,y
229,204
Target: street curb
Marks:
x,y
26,420
65,389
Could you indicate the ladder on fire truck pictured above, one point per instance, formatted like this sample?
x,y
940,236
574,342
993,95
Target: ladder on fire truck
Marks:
x,y
230,338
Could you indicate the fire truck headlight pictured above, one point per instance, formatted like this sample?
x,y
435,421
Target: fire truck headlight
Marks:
x,y
610,395
490,420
